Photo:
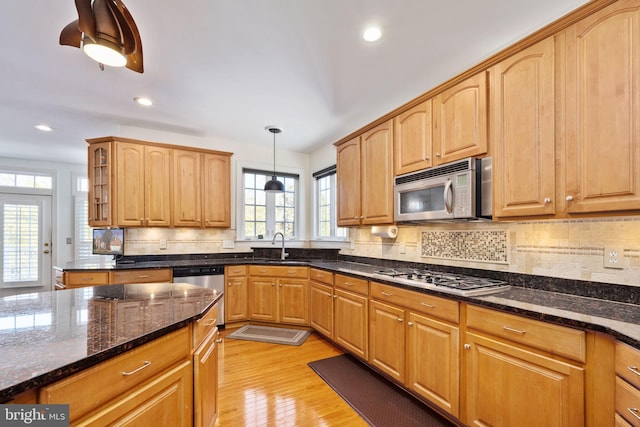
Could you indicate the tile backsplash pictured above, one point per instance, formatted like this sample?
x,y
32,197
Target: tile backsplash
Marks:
x,y
571,249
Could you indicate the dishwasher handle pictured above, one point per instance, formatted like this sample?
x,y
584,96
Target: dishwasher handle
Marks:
x,y
213,270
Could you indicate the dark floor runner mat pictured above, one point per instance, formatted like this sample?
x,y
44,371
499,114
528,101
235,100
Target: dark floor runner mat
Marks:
x,y
376,399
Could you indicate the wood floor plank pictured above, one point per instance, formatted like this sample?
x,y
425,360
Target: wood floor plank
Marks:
x,y
262,384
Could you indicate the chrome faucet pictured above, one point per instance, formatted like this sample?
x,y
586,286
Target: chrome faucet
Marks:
x,y
283,254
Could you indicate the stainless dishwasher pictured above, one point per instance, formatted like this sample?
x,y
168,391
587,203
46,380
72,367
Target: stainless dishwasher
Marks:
x,y
208,277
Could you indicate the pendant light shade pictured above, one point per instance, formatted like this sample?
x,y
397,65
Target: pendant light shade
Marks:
x,y
273,185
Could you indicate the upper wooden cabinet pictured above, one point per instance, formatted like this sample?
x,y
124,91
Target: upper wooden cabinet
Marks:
x,y
413,139
523,133
187,192
460,120
602,84
142,190
142,184
365,178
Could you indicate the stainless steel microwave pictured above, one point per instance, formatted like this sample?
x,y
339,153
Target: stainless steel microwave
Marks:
x,y
454,191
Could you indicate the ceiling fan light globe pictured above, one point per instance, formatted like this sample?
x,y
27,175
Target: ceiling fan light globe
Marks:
x,y
104,54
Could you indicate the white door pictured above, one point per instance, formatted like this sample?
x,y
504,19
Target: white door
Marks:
x,y
25,241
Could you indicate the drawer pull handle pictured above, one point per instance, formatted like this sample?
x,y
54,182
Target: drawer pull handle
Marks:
x,y
517,331
424,304
143,276
211,322
634,412
146,363
634,369
87,279
348,284
387,294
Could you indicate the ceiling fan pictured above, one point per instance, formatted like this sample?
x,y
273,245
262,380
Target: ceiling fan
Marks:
x,y
106,32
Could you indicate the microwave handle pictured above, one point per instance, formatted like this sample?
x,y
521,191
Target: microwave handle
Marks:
x,y
448,196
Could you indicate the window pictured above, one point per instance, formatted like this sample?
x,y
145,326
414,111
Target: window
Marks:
x,y
83,233
326,208
26,180
266,214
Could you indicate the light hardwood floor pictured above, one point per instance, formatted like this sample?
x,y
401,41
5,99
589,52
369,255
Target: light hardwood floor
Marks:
x,y
264,384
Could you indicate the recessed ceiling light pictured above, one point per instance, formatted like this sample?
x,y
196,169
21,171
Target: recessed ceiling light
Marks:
x,y
44,128
372,34
143,100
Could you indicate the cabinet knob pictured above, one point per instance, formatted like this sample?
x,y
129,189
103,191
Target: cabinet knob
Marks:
x,y
335,296
427,158
219,340
409,324
569,198
400,320
467,346
437,154
547,200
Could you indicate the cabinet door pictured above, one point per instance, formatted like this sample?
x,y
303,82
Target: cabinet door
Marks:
x,y
216,196
603,101
377,175
205,382
157,190
187,210
387,339
129,177
460,120
348,179
166,400
523,133
433,361
413,139
263,302
350,323
509,386
321,308
236,299
293,301
100,202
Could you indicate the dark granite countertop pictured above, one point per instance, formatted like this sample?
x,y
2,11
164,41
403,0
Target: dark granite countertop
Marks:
x,y
46,336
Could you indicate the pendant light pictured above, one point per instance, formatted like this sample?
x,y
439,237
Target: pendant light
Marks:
x,y
274,186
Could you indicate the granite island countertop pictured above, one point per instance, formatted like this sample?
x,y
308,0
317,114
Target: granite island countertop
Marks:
x,y
47,336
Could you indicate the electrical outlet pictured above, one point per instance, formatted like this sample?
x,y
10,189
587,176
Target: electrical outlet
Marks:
x,y
163,244
228,244
613,257
402,248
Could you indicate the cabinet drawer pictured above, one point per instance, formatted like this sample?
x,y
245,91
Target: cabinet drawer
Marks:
x,y
205,325
235,270
352,284
321,276
92,278
554,339
142,275
91,388
628,364
628,402
278,271
422,303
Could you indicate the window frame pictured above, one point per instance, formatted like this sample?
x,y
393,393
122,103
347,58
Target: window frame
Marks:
x,y
335,235
270,205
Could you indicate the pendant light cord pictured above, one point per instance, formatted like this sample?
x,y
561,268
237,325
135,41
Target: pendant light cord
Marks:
x,y
274,155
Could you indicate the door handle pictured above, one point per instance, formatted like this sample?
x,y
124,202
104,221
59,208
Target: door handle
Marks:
x,y
448,196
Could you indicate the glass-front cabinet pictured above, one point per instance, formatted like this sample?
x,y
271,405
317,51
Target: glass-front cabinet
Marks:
x,y
100,184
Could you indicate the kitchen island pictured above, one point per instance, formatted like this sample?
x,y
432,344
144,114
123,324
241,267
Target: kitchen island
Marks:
x,y
49,337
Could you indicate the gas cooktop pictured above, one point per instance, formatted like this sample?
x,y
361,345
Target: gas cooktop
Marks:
x,y
452,283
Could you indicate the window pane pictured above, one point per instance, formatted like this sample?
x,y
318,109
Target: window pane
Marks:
x,y
44,182
261,228
261,213
249,213
8,179
21,224
25,181
249,228
249,197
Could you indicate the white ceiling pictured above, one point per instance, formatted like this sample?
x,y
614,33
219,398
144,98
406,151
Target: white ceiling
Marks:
x,y
227,68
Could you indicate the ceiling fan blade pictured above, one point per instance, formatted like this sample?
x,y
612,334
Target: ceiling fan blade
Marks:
x,y
134,59
71,35
86,20
106,25
126,32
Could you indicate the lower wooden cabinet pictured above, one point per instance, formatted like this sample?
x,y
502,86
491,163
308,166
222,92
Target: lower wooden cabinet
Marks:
x,y
350,329
513,375
279,294
236,298
321,308
205,385
416,349
627,395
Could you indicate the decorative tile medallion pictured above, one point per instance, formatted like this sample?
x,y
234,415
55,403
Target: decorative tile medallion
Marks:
x,y
467,245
